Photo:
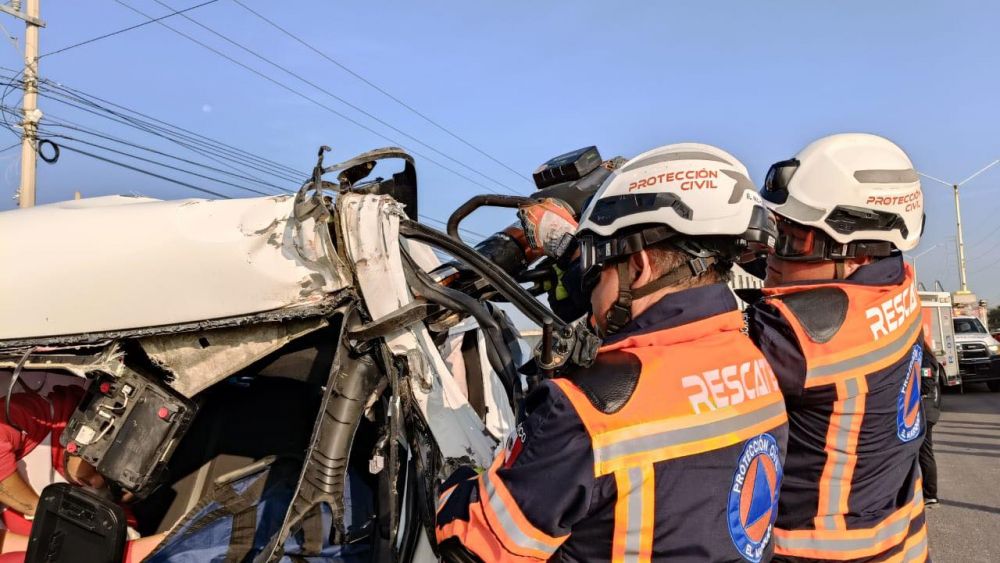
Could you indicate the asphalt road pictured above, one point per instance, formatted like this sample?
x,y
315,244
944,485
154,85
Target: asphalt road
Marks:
x,y
965,527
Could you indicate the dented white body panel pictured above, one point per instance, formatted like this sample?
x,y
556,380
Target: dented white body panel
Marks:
x,y
117,263
371,231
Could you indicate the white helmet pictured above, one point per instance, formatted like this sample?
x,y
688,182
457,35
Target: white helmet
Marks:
x,y
698,197
859,189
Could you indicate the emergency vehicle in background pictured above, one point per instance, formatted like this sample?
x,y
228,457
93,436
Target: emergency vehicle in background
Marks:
x,y
938,326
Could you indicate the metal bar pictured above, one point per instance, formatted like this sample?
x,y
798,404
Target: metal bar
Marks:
x,y
33,20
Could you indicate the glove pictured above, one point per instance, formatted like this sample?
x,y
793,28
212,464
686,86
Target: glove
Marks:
x,y
548,227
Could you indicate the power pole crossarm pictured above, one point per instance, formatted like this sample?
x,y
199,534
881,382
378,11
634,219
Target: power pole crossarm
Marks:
x,y
33,20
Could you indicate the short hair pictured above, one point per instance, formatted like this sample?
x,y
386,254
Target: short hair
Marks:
x,y
664,257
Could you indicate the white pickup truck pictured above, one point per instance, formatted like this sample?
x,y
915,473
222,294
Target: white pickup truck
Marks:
x,y
978,352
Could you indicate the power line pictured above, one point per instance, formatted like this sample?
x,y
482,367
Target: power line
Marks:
x,y
146,172
361,110
379,89
443,224
238,172
205,150
179,139
310,99
118,118
77,97
157,163
89,98
123,30
75,127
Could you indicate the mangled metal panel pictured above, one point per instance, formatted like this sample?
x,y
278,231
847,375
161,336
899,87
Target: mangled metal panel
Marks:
x,y
118,263
198,360
371,231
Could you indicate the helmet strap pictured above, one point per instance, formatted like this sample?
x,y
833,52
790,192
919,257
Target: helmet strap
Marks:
x,y
839,270
620,312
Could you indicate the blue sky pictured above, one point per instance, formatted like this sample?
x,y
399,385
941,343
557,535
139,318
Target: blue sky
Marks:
x,y
528,80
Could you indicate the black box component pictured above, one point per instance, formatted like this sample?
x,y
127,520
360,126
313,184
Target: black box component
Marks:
x,y
567,167
128,427
73,525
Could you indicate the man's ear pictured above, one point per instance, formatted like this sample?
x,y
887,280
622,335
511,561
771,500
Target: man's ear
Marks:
x,y
641,268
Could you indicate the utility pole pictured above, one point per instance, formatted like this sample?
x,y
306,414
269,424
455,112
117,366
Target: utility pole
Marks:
x,y
962,278
32,115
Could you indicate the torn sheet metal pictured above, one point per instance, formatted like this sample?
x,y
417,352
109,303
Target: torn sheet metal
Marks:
x,y
499,416
117,263
79,361
198,360
371,231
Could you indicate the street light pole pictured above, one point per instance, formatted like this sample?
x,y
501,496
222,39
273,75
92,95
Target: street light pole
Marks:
x,y
960,240
963,281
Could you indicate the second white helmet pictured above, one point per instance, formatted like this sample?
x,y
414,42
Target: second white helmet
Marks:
x,y
856,188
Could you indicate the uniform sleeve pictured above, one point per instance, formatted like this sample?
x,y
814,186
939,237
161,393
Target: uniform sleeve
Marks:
x,y
525,505
777,341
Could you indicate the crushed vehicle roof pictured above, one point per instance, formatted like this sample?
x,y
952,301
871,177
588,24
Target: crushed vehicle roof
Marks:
x,y
118,263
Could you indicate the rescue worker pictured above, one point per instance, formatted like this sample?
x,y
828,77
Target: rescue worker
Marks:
x,y
671,445
931,394
840,324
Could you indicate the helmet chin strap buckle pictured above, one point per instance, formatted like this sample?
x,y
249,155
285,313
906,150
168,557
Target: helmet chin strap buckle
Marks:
x,y
699,266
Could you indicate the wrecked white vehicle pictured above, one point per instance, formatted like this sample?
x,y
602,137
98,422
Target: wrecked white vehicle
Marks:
x,y
216,335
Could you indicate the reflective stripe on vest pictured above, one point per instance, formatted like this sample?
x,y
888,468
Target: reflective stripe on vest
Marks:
x,y
505,518
842,448
683,436
633,536
689,399
853,543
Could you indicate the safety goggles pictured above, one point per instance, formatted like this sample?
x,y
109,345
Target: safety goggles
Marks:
x,y
777,180
797,243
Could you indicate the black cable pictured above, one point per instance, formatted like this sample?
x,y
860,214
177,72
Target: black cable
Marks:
x,y
334,96
130,28
463,229
189,135
48,88
379,89
150,161
312,100
125,120
146,172
184,133
74,127
243,158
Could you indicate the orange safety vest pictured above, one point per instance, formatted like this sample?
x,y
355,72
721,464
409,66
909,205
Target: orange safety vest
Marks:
x,y
862,347
703,387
